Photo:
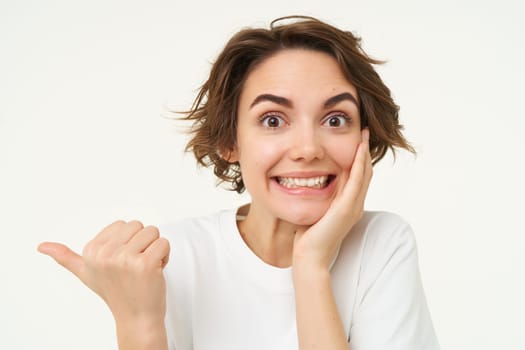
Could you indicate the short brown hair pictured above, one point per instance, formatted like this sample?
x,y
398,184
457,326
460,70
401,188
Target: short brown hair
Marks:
x,y
214,111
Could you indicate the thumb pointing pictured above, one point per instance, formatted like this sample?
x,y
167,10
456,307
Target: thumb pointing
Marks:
x,y
64,256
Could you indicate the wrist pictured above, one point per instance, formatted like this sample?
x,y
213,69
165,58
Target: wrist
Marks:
x,y
314,261
141,333
309,271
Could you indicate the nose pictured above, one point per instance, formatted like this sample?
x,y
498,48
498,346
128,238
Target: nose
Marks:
x,y
306,144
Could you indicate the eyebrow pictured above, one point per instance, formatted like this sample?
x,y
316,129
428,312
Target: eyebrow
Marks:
x,y
332,101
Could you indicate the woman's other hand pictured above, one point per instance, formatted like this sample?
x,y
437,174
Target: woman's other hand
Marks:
x,y
123,264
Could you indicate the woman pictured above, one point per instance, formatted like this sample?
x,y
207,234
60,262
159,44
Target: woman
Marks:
x,y
296,115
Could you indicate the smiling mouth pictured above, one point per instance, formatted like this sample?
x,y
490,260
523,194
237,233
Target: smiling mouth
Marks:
x,y
318,182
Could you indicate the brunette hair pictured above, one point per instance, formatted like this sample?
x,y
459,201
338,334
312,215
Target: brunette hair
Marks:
x,y
214,110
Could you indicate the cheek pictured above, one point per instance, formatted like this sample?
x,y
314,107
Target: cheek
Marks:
x,y
258,154
343,153
255,160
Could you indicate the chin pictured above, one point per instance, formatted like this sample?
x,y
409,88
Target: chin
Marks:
x,y
306,217
305,222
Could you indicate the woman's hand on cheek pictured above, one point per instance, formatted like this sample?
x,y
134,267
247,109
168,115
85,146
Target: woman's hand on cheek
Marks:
x,y
123,264
316,245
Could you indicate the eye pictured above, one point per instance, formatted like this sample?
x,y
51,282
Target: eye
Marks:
x,y
272,121
337,121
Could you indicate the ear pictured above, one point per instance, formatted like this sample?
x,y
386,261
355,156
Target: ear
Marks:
x,y
230,155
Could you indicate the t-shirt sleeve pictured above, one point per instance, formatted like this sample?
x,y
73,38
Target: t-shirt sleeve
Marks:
x,y
391,311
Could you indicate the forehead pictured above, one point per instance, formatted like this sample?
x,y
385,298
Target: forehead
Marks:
x,y
298,74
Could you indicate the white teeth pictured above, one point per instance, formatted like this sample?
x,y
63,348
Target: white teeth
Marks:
x,y
294,182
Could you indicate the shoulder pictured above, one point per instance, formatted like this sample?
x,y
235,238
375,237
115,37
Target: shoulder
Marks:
x,y
378,244
387,254
383,230
377,233
385,238
194,241
199,231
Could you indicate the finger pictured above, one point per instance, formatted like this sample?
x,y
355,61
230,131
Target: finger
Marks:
x,y
64,256
113,236
109,231
124,233
159,250
366,183
367,175
345,188
356,177
141,240
343,183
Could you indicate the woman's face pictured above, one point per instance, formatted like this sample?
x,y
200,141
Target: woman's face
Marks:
x,y
298,131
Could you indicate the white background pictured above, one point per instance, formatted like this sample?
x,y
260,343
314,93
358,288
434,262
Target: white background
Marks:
x,y
83,143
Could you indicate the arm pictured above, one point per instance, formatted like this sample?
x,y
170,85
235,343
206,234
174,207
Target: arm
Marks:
x,y
123,264
319,325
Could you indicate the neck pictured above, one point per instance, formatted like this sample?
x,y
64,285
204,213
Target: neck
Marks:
x,y
269,237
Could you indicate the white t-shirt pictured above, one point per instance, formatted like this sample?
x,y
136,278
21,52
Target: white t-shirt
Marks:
x,y
220,295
